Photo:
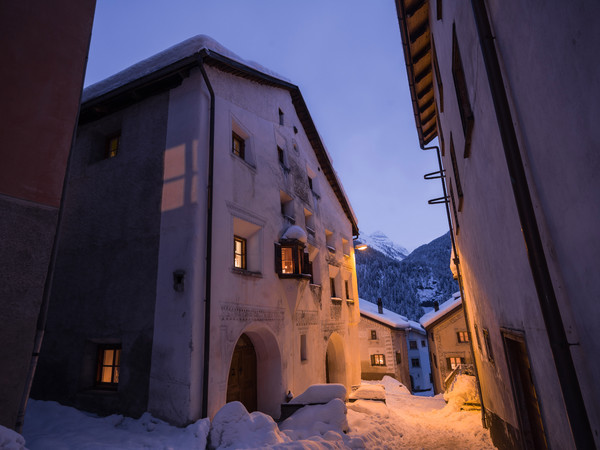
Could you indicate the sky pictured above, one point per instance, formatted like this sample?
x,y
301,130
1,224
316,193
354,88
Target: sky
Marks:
x,y
345,55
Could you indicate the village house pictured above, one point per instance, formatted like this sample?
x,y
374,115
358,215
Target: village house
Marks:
x,y
207,248
44,53
448,340
391,344
510,90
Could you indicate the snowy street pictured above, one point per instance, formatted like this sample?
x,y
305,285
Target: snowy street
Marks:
x,y
406,421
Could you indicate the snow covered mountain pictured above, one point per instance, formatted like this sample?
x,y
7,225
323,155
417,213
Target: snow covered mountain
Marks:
x,y
404,284
383,244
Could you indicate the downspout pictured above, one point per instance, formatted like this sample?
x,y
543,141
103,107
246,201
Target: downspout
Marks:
x,y
211,152
559,344
456,262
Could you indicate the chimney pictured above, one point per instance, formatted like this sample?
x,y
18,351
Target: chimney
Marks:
x,y
380,306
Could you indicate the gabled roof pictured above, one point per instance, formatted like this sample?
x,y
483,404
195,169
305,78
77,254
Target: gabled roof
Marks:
x,y
389,318
413,17
167,70
449,306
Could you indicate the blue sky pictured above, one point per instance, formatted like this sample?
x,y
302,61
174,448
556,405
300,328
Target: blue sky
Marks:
x,y
346,57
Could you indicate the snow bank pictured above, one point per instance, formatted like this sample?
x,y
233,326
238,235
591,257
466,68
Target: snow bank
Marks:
x,y
11,440
369,392
49,425
233,427
320,393
464,390
391,385
317,420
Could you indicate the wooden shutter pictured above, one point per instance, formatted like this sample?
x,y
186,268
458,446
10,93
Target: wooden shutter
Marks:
x,y
277,258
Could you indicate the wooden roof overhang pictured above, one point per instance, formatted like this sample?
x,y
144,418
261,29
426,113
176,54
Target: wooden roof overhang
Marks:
x,y
413,18
173,75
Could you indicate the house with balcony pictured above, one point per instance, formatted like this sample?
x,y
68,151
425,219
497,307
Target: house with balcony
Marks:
x,y
206,253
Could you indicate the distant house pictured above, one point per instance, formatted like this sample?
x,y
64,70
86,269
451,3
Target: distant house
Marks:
x,y
448,340
391,344
207,249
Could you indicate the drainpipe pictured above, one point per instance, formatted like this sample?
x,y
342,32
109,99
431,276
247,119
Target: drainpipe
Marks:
x,y
456,262
559,344
211,152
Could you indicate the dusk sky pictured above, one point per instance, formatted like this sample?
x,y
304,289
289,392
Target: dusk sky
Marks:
x,y
346,57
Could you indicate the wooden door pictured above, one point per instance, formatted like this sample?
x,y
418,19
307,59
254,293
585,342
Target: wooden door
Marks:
x,y
241,385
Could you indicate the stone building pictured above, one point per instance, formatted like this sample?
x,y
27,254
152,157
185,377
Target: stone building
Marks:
x,y
391,344
448,340
207,249
44,52
510,90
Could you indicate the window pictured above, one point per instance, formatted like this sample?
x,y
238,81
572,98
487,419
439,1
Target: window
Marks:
x,y
281,117
413,345
435,360
295,130
438,9
346,247
462,336
456,224
329,241
453,362
109,361
347,289
378,360
280,155
332,287
238,145
459,190
477,336
398,358
287,207
438,78
291,261
488,345
303,356
462,94
373,334
239,252
309,222
415,362
310,182
112,146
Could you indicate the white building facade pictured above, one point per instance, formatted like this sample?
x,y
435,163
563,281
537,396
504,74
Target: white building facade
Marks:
x,y
247,199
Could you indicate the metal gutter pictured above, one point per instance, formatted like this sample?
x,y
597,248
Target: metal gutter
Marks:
x,y
559,344
208,284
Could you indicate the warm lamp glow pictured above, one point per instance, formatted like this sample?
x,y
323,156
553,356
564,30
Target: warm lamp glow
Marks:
x,y
361,247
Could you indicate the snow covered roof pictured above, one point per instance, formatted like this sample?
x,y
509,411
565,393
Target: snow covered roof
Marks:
x,y
448,306
388,317
167,69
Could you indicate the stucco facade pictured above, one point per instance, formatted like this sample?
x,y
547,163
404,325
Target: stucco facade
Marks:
x,y
134,259
509,88
44,52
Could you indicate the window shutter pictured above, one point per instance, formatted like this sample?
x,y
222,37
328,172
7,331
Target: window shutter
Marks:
x,y
305,264
277,258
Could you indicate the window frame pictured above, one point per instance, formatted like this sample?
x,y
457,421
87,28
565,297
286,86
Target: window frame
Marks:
x,y
462,94
373,335
115,366
412,345
378,359
462,337
456,360
109,152
415,362
301,265
241,152
243,253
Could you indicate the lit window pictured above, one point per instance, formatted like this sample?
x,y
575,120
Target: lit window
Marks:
x,y
109,360
415,362
112,145
238,145
291,260
373,334
287,260
462,336
239,252
453,362
378,360
413,345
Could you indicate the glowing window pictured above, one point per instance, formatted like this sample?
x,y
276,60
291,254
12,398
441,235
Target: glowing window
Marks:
x,y
373,334
109,361
112,146
239,252
378,360
453,362
462,336
238,145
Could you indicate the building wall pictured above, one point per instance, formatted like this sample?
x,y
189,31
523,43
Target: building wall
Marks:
x,y
44,51
104,288
420,374
550,90
443,344
389,341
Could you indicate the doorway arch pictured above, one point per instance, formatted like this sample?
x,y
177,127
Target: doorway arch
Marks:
x,y
267,386
242,379
335,360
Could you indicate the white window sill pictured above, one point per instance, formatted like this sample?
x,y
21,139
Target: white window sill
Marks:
x,y
247,273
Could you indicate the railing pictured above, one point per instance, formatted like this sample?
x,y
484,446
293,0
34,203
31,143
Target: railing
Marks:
x,y
461,369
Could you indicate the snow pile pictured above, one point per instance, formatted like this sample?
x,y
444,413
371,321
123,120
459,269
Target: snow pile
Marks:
x,y
11,440
369,392
316,420
233,427
51,425
390,384
320,393
464,390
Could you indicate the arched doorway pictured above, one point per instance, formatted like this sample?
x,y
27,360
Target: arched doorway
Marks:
x,y
242,381
335,360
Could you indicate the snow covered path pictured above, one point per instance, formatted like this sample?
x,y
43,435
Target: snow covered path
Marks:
x,y
405,422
